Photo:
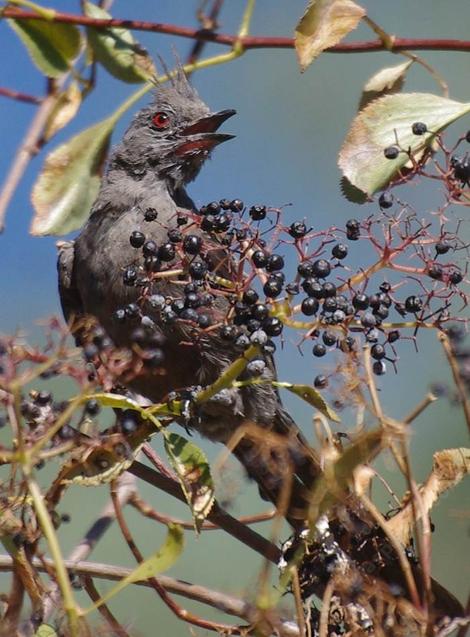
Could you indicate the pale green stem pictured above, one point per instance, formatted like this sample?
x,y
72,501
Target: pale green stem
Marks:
x,y
63,581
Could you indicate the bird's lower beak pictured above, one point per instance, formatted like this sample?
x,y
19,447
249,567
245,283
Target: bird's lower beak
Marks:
x,y
201,135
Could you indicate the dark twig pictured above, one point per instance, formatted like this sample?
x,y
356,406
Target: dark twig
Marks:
x,y
217,515
103,609
248,42
20,97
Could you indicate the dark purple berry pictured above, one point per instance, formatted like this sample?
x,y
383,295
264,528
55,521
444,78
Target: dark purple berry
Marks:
x,y
393,336
272,288
309,306
360,301
340,251
259,258
305,269
137,239
455,277
204,321
213,208
129,276
329,338
313,288
319,350
260,312
391,152
379,368
119,315
321,268
442,247
150,214
167,252
208,223
257,213
250,296
43,398
272,326
328,289
228,332
320,381
150,249
181,220
419,128
377,352
198,270
236,205
152,264
368,320
435,271
413,304
274,263
386,200
192,244
175,235
298,229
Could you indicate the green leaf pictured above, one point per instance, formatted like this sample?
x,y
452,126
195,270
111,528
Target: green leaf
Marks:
x,y
386,122
160,561
324,24
69,182
312,397
117,50
385,82
334,482
192,468
45,630
115,401
51,46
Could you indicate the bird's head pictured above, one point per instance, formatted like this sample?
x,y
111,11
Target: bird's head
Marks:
x,y
175,134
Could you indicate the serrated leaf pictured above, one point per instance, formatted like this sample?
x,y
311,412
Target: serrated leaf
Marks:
x,y
52,46
192,468
312,397
334,482
64,111
160,561
45,630
385,82
384,122
351,193
117,50
324,24
69,182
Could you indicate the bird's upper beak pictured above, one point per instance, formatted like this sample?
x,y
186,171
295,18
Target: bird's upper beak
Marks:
x,y
201,135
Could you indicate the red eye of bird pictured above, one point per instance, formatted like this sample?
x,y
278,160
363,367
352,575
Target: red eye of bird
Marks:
x,y
161,120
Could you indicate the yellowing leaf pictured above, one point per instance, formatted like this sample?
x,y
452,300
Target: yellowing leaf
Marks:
x,y
312,397
69,181
450,466
324,24
52,46
160,561
386,122
117,50
192,468
385,82
65,110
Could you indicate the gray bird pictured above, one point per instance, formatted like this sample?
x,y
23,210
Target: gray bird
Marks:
x,y
163,149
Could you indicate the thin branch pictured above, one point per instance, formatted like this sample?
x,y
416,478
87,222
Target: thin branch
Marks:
x,y
26,151
103,609
248,42
217,515
19,96
220,601
457,377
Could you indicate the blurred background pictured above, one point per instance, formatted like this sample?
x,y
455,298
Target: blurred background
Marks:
x,y
289,129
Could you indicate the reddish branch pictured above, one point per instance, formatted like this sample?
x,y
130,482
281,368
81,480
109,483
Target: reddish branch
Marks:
x,y
248,42
20,97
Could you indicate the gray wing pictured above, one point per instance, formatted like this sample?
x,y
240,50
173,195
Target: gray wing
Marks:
x,y
70,300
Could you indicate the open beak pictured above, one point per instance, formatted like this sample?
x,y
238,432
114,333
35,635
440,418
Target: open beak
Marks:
x,y
201,135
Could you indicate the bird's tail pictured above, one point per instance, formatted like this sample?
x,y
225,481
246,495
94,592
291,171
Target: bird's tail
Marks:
x,y
282,463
